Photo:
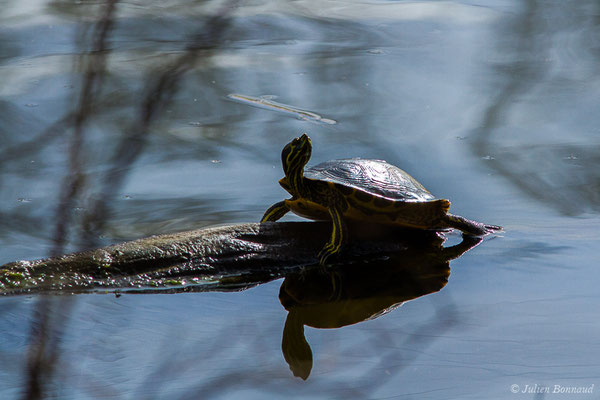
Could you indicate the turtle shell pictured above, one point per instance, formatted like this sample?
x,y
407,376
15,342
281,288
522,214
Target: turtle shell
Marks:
x,y
375,177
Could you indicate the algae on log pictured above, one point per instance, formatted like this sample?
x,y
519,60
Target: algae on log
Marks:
x,y
231,257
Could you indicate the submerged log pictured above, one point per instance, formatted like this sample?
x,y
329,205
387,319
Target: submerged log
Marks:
x,y
231,257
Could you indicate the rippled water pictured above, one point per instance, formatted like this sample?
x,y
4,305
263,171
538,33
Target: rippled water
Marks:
x,y
115,124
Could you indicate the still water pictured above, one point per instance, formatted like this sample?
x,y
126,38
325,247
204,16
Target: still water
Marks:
x,y
120,120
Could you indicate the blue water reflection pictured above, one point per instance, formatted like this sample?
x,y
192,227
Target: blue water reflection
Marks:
x,y
115,125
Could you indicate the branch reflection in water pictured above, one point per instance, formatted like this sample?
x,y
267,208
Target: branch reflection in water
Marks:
x,y
45,338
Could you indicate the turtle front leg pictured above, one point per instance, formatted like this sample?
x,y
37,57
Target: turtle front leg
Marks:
x,y
338,236
275,212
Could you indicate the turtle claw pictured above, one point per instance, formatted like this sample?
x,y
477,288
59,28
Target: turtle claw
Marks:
x,y
494,228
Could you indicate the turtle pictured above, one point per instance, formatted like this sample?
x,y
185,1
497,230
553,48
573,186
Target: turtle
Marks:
x,y
360,190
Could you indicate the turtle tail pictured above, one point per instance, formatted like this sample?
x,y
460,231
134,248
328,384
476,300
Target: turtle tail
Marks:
x,y
469,227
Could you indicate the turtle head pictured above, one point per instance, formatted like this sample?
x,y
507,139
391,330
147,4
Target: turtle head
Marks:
x,y
294,157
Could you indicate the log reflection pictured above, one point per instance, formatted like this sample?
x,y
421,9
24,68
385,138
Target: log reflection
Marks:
x,y
329,298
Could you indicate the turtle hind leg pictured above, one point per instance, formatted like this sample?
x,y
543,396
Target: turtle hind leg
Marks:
x,y
469,227
275,212
338,237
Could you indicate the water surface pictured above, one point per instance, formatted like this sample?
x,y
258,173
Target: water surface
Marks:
x,y
115,124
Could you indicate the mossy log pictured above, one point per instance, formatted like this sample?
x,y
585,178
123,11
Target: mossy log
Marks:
x,y
231,257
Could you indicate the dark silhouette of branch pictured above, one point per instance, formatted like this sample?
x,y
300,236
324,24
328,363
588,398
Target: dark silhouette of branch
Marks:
x,y
44,348
160,91
94,63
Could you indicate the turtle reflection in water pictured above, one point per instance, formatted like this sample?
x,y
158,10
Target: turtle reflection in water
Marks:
x,y
348,294
362,190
